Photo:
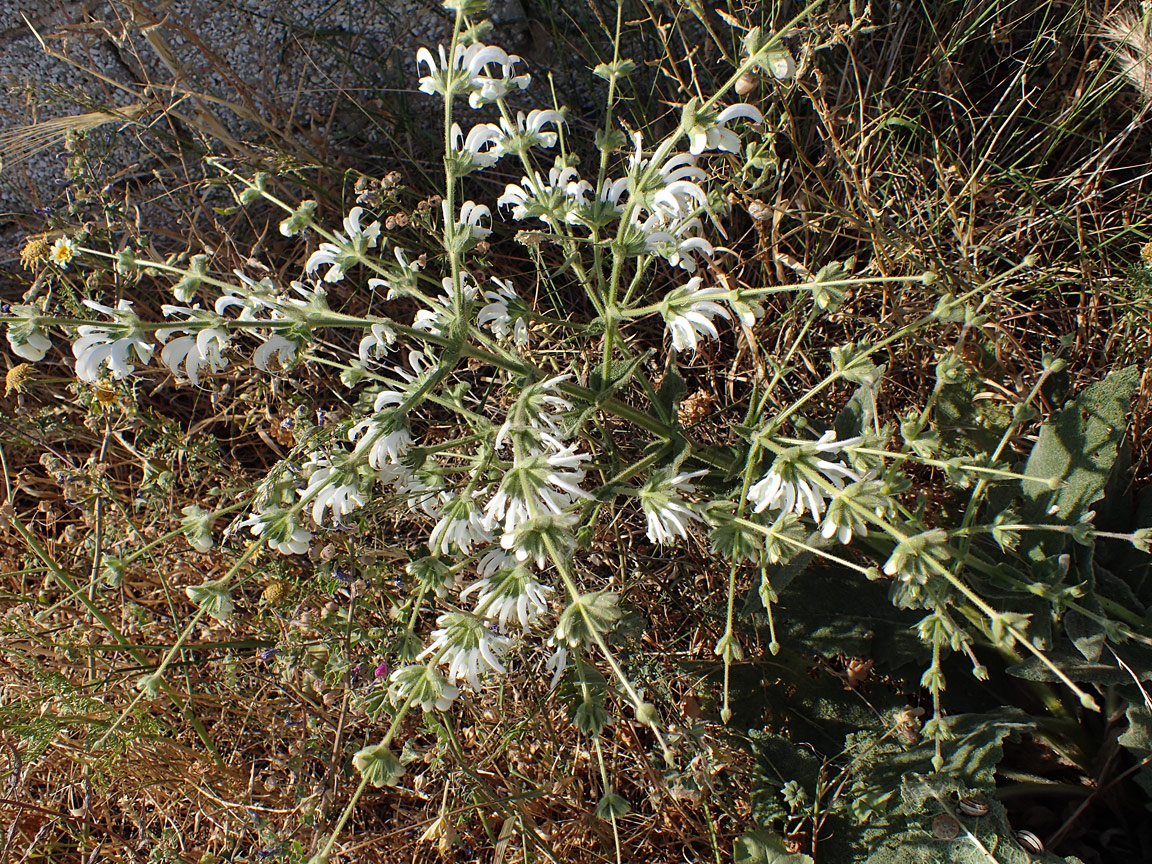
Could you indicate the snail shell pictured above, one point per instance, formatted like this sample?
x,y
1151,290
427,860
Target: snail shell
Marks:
x,y
973,806
1030,842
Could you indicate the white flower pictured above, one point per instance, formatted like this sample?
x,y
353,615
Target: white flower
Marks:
x,y
557,663
534,198
197,527
472,218
510,593
331,489
385,434
284,534
845,516
434,321
299,220
599,210
481,147
423,686
544,535
527,131
382,338
917,558
540,409
679,252
26,336
790,485
487,86
495,560
782,65
678,200
112,344
63,251
672,193
688,312
461,524
438,320
497,317
668,515
401,279
419,493
349,249
469,648
194,350
277,347
713,134
541,482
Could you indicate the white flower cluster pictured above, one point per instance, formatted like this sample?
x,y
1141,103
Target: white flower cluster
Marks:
x,y
834,494
484,73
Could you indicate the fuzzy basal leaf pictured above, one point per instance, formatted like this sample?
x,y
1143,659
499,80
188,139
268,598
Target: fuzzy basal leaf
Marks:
x,y
764,847
978,841
1138,741
1076,450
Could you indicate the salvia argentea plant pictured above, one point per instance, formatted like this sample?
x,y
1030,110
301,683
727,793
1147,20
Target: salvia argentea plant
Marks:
x,y
511,491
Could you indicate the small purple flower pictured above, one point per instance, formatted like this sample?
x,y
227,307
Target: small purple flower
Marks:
x,y
342,576
382,670
266,654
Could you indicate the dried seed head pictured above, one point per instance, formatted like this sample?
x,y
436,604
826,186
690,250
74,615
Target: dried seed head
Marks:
x,y
695,408
35,250
1146,253
105,394
747,82
16,379
275,591
759,211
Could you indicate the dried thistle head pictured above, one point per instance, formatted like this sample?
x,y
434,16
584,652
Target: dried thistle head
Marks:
x,y
35,250
17,379
275,591
1128,33
696,408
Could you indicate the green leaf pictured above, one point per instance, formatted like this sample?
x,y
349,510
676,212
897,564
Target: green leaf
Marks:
x,y
966,424
888,774
981,840
1084,671
611,806
764,847
1138,741
619,373
859,412
1075,453
781,766
672,390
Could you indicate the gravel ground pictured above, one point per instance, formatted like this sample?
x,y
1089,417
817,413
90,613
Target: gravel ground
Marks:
x,y
276,65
